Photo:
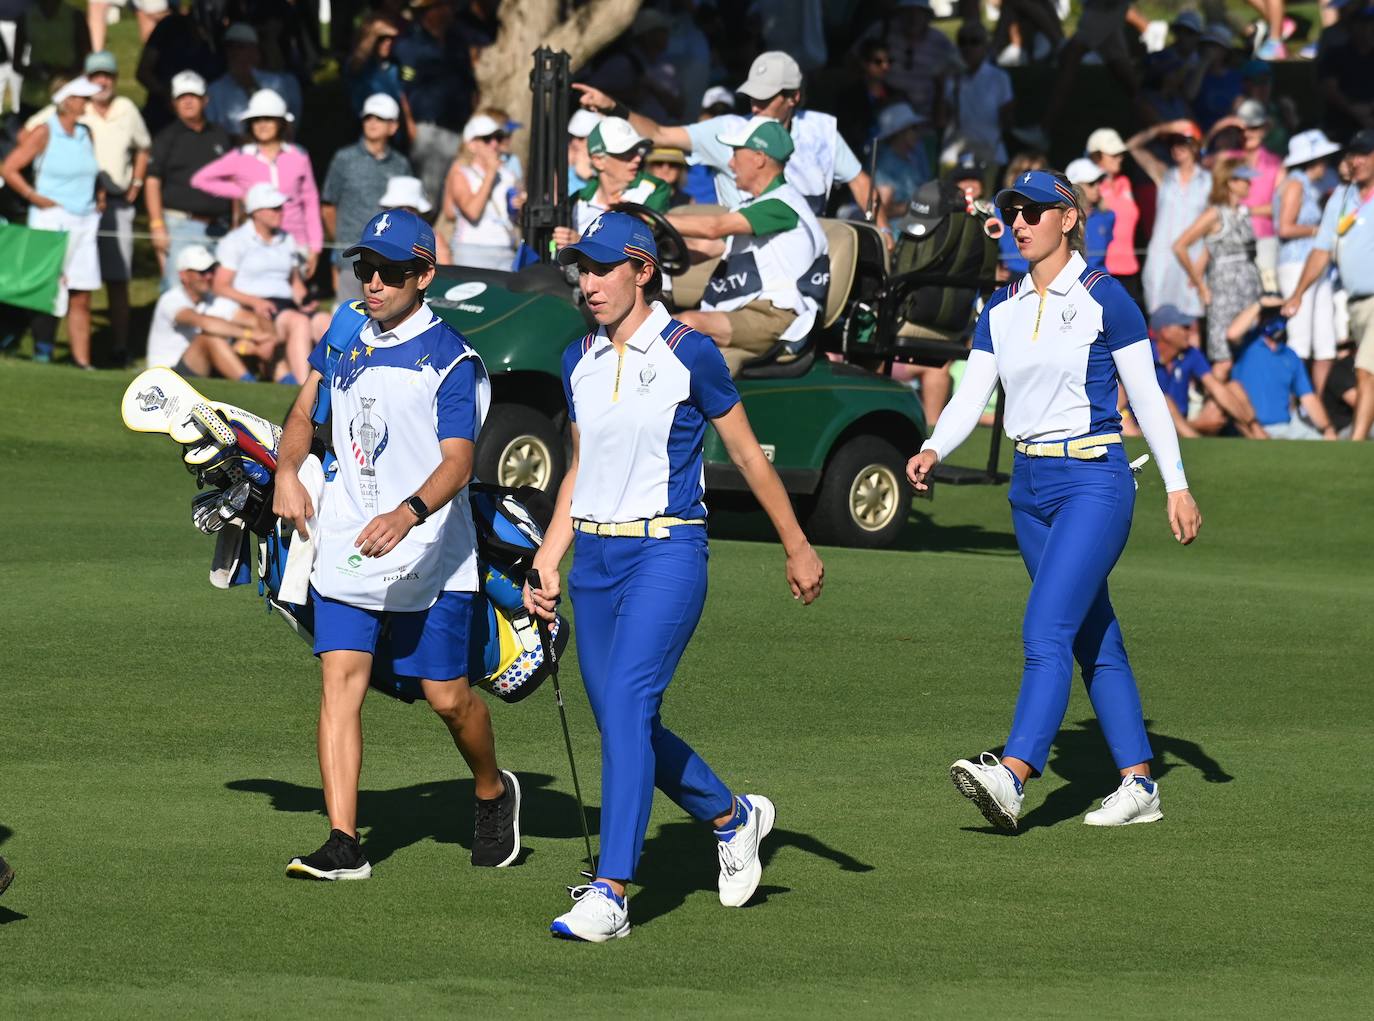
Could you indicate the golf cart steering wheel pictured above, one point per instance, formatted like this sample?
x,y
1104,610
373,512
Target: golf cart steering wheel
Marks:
x,y
672,250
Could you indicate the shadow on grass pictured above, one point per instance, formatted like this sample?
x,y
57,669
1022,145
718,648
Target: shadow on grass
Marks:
x,y
1080,758
441,811
680,860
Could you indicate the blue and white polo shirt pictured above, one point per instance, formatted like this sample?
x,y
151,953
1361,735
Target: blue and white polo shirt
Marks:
x,y
393,397
1054,352
641,417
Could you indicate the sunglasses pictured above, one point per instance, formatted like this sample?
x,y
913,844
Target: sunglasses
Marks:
x,y
393,274
499,136
1030,213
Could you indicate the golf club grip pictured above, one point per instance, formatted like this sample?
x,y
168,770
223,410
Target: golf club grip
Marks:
x,y
545,632
532,579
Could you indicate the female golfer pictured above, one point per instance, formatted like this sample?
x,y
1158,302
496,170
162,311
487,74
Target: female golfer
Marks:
x,y
1060,339
640,391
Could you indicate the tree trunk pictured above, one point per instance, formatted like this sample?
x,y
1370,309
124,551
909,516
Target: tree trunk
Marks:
x,y
503,68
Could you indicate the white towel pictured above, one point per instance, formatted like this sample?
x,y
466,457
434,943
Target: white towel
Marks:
x,y
295,578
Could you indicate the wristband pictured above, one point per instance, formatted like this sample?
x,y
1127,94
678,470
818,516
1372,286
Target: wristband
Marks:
x,y
155,224
137,182
620,110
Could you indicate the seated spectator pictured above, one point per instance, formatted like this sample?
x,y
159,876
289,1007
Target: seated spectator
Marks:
x,y
408,193
775,262
229,95
669,166
1230,281
179,214
260,268
478,195
1108,151
1182,188
357,179
177,43
269,157
1086,178
121,153
1216,82
580,169
1297,217
617,152
371,67
1272,378
1341,391
902,165
980,99
1180,367
195,332
65,196
922,56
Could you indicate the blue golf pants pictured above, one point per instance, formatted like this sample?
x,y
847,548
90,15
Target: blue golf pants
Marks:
x,y
1072,519
637,602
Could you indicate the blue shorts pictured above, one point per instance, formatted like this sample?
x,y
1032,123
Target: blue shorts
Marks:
x,y
431,644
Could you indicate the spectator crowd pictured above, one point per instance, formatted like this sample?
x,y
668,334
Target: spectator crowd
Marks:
x,y
1239,216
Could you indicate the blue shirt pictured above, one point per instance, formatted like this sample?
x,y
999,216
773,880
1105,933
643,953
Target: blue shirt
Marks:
x,y
436,77
1176,377
1097,235
66,168
1352,251
641,416
1272,375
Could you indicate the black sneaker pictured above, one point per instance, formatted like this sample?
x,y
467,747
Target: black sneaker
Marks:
x,y
339,858
496,837
6,875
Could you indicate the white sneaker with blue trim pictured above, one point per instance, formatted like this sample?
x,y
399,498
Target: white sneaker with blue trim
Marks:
x,y
1136,800
738,851
597,916
990,786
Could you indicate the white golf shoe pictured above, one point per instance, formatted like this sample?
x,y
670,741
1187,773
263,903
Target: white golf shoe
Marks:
x,y
738,850
989,785
1136,800
597,915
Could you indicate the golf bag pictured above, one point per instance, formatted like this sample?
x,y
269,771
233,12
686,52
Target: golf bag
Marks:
x,y
232,454
943,239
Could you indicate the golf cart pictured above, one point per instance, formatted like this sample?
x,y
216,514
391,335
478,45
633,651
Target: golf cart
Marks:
x,y
836,427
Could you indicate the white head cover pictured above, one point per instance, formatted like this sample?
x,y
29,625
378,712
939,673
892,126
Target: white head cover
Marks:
x,y
405,192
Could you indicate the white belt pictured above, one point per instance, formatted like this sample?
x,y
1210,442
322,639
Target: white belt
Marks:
x,y
651,528
1085,448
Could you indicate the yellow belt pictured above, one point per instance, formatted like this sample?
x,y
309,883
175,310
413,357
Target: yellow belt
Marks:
x,y
652,528
1085,448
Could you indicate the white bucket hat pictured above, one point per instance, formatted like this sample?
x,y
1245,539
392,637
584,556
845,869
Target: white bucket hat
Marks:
x,y
406,192
266,103
1306,146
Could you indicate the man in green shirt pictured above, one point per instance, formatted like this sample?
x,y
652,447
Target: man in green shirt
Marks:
x,y
617,153
764,295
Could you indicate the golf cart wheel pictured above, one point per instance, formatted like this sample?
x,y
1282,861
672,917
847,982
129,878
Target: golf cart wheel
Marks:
x,y
863,498
520,447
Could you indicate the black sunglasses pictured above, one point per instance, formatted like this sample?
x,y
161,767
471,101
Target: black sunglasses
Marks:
x,y
393,274
1031,213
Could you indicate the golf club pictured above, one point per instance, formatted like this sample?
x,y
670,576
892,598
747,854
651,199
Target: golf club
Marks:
x,y
550,650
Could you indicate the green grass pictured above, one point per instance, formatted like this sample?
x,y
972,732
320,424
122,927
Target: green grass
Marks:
x,y
157,755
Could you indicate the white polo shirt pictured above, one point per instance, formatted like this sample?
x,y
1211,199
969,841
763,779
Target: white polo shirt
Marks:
x,y
167,339
1054,351
261,268
641,418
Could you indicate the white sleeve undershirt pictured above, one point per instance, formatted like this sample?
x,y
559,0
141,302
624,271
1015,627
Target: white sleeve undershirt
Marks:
x,y
966,406
1135,365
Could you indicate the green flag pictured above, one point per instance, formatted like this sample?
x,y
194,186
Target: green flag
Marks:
x,y
31,272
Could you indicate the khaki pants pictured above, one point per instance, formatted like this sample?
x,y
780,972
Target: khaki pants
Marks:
x,y
754,330
1362,332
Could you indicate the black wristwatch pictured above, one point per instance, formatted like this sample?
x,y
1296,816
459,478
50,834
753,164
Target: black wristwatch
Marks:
x,y
418,508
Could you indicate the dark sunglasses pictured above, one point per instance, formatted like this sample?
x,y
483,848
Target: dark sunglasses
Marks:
x,y
495,136
393,274
1030,213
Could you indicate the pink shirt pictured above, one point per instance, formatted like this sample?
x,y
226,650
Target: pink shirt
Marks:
x,y
1268,167
230,177
1118,197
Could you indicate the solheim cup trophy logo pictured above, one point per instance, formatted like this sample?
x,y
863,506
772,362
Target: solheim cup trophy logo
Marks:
x,y
368,435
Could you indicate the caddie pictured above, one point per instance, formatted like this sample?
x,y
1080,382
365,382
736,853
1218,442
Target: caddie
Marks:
x,y
393,537
617,156
775,269
774,88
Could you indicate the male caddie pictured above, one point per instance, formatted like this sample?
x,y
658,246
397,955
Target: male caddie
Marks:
x,y
774,88
395,551
775,271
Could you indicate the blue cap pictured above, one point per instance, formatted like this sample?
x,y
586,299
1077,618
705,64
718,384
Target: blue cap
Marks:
x,y
1170,315
397,235
612,238
1038,186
